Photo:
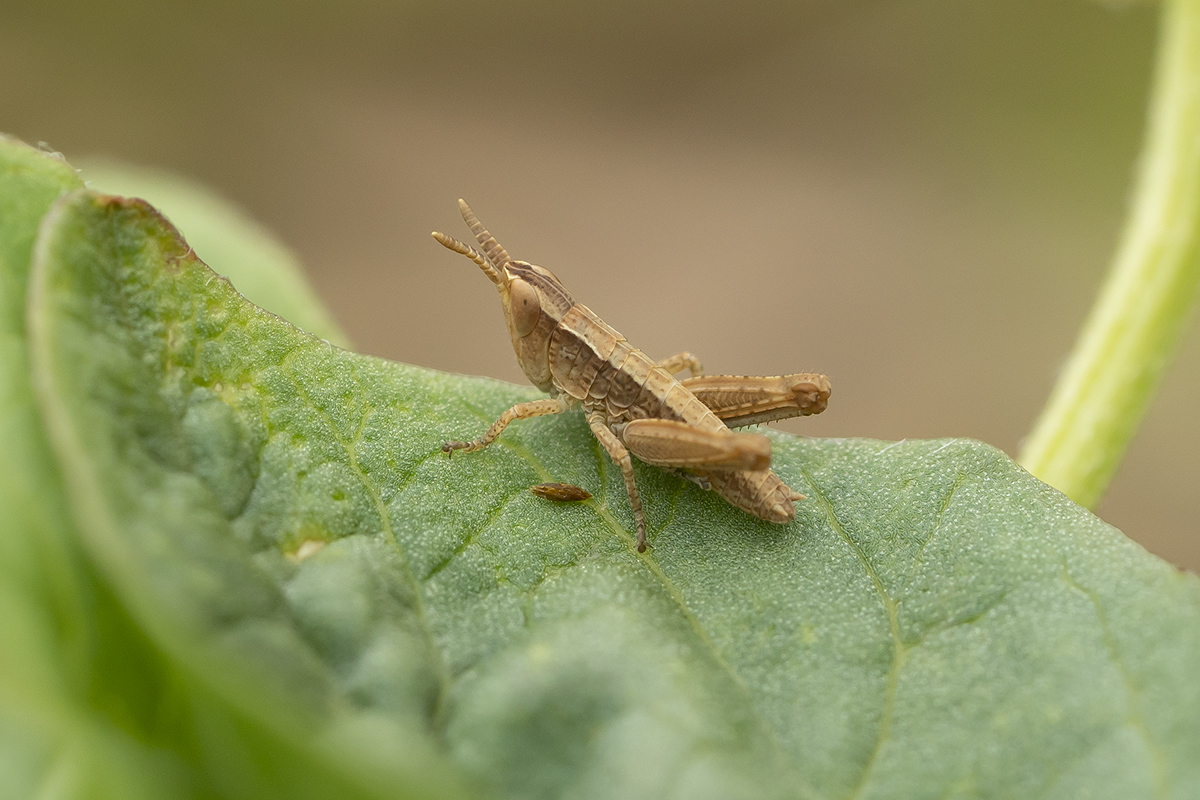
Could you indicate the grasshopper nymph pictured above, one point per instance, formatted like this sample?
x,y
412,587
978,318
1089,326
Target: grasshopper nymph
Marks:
x,y
632,403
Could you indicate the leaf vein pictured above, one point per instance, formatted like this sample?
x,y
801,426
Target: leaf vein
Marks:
x,y
959,622
473,535
899,649
1136,719
386,523
959,480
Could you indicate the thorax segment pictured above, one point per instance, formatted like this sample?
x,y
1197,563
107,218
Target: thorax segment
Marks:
x,y
595,364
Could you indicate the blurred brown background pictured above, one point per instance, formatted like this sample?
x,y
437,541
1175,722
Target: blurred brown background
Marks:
x,y
918,198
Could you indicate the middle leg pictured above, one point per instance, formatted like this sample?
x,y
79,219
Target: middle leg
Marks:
x,y
681,361
619,454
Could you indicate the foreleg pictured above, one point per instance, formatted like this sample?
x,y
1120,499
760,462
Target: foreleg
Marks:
x,y
534,408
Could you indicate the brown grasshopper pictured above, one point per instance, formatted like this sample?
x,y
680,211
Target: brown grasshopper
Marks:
x,y
632,403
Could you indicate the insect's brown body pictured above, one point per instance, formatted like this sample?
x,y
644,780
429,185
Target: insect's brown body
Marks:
x,y
610,378
634,403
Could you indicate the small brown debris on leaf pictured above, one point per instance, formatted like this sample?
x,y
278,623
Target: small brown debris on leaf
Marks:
x,y
563,492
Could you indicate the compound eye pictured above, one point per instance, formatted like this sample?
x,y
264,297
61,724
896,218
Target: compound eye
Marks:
x,y
524,305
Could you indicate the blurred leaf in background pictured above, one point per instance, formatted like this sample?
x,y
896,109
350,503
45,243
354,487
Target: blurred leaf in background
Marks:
x,y
64,719
90,706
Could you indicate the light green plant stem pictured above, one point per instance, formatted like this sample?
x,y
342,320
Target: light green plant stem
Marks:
x,y
1143,308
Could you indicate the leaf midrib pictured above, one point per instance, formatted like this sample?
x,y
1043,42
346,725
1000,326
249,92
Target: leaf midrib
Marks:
x,y
899,649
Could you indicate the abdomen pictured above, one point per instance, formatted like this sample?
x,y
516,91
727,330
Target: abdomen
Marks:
x,y
596,365
760,493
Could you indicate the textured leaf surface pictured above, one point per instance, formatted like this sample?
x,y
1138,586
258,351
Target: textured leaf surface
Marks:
x,y
936,623
260,268
56,624
89,707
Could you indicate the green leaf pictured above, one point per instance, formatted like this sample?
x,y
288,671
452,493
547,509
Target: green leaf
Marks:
x,y
263,270
89,706
58,624
276,513
29,492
